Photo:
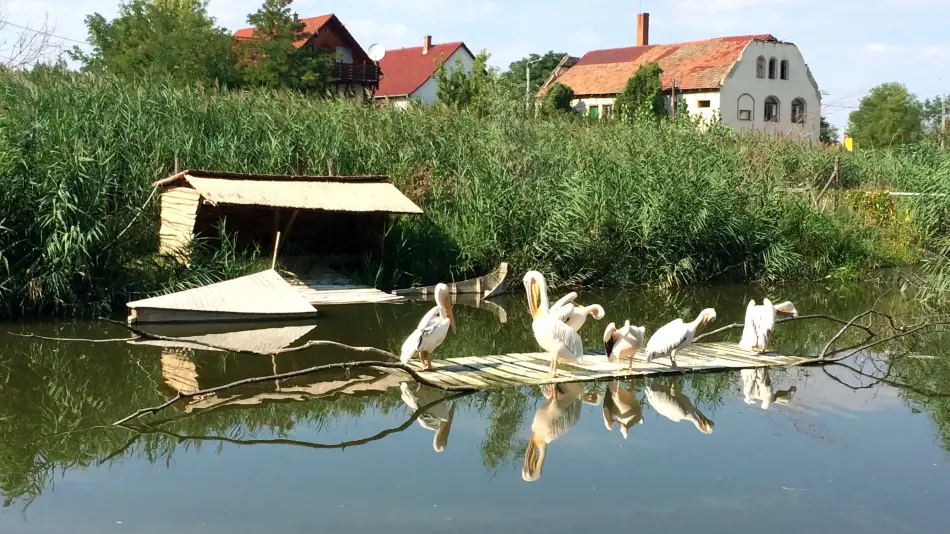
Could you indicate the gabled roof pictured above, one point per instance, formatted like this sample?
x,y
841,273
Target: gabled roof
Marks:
x,y
354,194
406,69
313,25
694,65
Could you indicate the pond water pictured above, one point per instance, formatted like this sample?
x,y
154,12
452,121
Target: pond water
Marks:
x,y
858,447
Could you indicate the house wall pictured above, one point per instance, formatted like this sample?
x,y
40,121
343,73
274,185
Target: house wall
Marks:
x,y
743,83
427,92
693,100
331,36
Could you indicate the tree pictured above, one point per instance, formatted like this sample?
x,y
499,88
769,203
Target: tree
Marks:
x,y
557,99
512,81
643,94
889,115
163,38
829,133
27,46
463,90
270,59
932,114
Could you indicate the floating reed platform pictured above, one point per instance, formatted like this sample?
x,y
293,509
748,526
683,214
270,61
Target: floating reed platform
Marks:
x,y
530,369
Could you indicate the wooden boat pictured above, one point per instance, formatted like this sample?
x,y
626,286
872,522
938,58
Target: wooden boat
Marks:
x,y
490,285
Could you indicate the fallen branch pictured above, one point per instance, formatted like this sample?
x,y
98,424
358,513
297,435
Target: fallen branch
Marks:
x,y
799,318
300,372
73,339
343,445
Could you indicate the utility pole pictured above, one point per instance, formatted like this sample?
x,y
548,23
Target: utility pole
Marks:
x,y
943,123
527,84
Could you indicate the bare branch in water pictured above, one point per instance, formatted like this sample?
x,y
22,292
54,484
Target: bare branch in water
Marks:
x,y
799,318
74,339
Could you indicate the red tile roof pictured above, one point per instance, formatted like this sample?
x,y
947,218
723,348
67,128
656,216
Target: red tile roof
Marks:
x,y
313,24
694,64
406,69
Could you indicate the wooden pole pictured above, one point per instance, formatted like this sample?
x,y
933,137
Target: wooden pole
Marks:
x,y
273,261
290,223
673,98
177,165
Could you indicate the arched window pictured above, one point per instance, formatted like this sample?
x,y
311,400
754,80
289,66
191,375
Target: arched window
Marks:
x,y
798,111
760,67
784,69
771,111
773,68
746,106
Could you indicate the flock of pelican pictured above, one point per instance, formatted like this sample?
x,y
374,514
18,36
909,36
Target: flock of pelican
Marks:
x,y
556,326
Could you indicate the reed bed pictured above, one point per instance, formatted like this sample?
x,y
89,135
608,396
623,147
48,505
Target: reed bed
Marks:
x,y
589,203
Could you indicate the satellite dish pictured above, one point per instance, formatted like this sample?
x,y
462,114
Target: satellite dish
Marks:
x,y
376,51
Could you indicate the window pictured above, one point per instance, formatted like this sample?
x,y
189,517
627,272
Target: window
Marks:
x,y
608,111
746,107
703,104
760,67
771,109
773,66
798,111
784,69
344,54
594,112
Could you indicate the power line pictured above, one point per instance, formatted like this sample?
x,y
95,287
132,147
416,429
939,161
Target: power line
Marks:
x,y
27,28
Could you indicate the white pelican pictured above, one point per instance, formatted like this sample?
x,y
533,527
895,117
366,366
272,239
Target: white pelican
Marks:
x,y
552,420
432,329
550,328
669,402
623,343
760,323
757,386
621,406
676,336
437,418
579,314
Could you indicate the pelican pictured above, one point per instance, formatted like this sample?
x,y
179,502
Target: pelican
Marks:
x,y
757,385
437,418
760,323
676,336
579,314
669,402
552,420
623,343
550,327
621,406
432,329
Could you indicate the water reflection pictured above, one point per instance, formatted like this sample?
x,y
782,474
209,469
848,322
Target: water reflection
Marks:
x,y
621,406
437,418
669,401
559,413
757,386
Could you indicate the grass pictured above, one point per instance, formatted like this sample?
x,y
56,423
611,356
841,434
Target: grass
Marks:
x,y
587,203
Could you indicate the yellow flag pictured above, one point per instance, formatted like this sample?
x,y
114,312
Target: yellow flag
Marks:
x,y
849,144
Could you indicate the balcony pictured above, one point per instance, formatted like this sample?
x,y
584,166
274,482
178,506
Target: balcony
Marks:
x,y
366,74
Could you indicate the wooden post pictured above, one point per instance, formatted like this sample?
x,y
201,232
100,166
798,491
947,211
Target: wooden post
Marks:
x,y
177,165
273,261
673,98
290,223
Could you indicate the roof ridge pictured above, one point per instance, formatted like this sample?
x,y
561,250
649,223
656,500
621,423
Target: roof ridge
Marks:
x,y
750,37
433,44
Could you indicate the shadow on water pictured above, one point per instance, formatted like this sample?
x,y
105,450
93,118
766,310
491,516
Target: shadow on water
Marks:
x,y
58,399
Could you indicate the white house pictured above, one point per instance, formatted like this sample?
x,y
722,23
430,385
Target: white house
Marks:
x,y
753,82
409,73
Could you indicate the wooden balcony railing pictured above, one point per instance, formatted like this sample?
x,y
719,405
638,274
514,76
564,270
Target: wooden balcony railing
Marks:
x,y
357,73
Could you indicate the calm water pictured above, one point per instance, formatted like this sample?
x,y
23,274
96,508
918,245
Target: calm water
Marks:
x,y
832,450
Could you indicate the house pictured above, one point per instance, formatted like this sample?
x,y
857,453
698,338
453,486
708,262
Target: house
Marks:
x,y
354,73
752,82
409,73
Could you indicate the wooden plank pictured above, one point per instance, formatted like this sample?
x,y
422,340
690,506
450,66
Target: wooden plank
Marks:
x,y
500,369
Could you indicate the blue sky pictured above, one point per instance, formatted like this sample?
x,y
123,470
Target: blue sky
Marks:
x,y
850,45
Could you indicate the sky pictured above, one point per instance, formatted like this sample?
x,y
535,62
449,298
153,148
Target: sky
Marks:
x,y
850,45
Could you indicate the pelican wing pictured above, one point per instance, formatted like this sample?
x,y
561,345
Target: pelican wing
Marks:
x,y
569,298
748,330
667,338
410,346
429,318
566,335
563,313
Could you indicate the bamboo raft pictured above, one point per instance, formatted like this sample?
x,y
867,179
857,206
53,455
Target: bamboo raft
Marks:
x,y
531,369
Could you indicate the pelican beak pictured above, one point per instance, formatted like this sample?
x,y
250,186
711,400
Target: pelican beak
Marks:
x,y
533,460
449,312
534,298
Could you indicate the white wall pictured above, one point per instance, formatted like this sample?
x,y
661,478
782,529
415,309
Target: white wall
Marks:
x,y
743,81
427,92
582,105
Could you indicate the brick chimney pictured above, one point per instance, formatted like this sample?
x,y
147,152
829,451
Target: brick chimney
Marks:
x,y
643,29
296,17
426,44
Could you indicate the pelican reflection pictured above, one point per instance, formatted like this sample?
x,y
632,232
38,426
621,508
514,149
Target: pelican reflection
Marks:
x,y
670,402
621,406
757,386
437,417
553,419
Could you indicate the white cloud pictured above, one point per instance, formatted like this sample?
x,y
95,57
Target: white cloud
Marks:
x,y
881,48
